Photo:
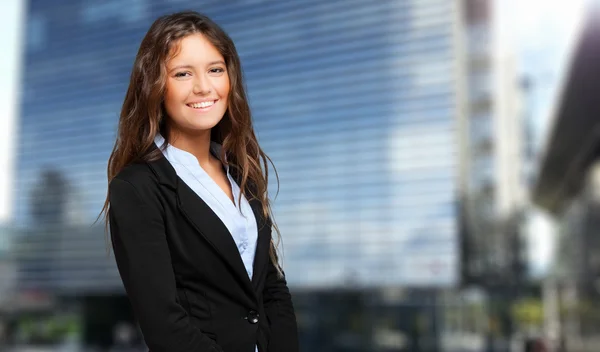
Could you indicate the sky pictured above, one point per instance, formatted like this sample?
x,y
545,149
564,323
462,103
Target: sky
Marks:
x,y
539,31
10,30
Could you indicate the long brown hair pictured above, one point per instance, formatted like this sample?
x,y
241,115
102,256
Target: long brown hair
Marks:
x,y
143,114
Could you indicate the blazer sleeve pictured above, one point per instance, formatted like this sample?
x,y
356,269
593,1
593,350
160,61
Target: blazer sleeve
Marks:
x,y
144,263
280,313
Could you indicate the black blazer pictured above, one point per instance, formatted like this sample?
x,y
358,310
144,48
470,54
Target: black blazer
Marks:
x,y
183,273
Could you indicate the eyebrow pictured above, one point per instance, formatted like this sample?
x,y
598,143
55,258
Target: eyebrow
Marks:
x,y
178,67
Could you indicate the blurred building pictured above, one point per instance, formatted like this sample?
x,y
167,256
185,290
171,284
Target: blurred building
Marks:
x,y
568,186
495,135
377,193
7,269
384,122
8,279
492,183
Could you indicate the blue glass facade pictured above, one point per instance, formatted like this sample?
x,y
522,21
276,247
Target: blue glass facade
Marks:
x,y
354,101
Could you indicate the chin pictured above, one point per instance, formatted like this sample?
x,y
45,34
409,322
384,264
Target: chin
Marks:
x,y
204,126
195,124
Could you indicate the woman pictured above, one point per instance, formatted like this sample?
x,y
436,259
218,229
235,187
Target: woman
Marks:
x,y
187,202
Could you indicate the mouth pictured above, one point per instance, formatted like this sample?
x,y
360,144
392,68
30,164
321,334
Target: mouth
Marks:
x,y
203,106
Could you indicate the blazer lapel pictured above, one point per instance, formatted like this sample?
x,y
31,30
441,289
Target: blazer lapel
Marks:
x,y
262,244
204,219
212,228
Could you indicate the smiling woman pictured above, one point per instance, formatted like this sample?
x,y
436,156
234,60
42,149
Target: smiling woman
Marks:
x,y
197,87
187,205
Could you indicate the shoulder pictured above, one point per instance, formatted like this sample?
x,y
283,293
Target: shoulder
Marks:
x,y
134,191
137,177
137,174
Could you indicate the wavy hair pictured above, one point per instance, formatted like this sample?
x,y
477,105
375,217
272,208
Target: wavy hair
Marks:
x,y
143,113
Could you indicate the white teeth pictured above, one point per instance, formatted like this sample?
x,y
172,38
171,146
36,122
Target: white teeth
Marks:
x,y
204,104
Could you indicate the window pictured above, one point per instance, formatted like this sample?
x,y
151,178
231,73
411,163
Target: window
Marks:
x,y
95,11
481,133
36,33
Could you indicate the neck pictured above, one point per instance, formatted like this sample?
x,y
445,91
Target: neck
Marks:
x,y
198,145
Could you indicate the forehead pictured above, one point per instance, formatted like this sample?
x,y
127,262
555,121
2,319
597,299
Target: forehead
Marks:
x,y
194,49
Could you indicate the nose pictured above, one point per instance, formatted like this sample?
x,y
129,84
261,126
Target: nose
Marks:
x,y
202,85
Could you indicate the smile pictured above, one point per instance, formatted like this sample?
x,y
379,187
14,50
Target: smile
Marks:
x,y
203,105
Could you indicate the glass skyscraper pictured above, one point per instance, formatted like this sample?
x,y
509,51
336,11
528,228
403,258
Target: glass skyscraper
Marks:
x,y
356,102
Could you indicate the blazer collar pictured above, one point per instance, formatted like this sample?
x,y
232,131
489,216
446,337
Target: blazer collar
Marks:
x,y
210,226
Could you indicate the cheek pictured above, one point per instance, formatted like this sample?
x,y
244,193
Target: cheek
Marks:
x,y
173,94
224,88
168,94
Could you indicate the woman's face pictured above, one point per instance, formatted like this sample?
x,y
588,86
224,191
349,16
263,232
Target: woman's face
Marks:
x,y
197,86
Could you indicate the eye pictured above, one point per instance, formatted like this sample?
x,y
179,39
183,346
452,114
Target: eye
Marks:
x,y
182,74
216,70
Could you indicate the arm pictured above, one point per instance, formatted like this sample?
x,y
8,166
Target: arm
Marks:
x,y
280,313
144,263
